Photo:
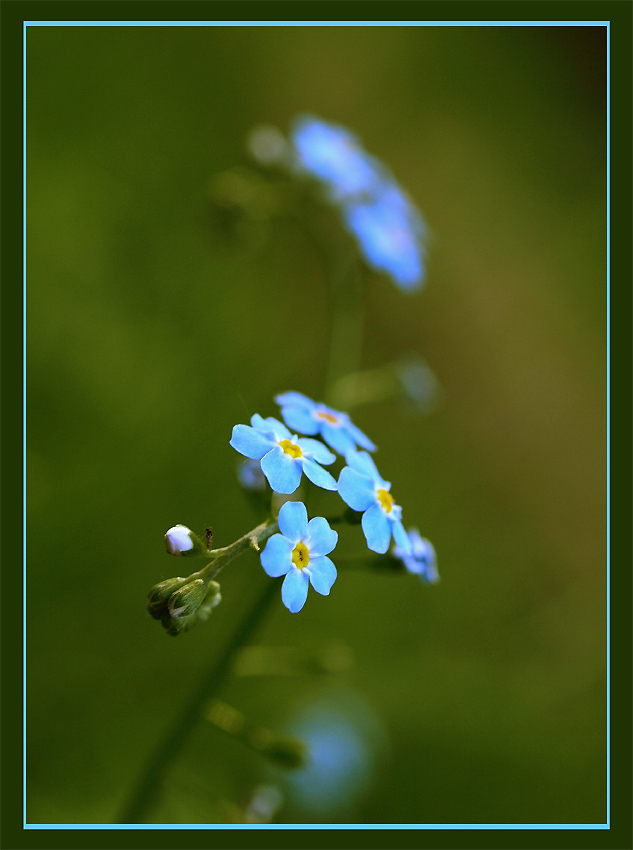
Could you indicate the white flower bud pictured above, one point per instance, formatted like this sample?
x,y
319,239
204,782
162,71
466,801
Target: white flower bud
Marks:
x,y
179,540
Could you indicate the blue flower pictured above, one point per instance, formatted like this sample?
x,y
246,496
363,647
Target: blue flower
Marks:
x,y
421,560
335,157
306,416
390,234
283,456
300,553
362,488
250,475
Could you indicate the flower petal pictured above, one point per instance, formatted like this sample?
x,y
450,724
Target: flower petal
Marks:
x,y
317,475
270,424
362,439
294,399
300,419
317,449
250,442
294,590
338,438
293,521
322,574
377,529
282,471
400,536
277,556
355,489
320,539
364,463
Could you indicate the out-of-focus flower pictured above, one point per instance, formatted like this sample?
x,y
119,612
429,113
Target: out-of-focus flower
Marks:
x,y
300,552
307,417
390,233
267,144
362,488
283,455
250,475
334,156
345,743
421,560
389,230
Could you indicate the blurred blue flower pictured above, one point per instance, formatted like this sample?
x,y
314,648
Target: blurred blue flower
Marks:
x,y
307,417
250,475
388,228
362,488
300,552
346,741
283,456
421,559
335,157
390,233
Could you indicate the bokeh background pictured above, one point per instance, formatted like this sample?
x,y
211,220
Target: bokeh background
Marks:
x,y
150,334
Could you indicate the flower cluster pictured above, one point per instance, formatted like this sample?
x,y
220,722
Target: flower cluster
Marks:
x,y
299,551
389,230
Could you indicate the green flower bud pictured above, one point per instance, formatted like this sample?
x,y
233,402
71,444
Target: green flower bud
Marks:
x,y
180,540
187,599
175,625
160,593
213,598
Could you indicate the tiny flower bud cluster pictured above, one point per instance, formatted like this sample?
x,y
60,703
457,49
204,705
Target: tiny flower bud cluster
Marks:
x,y
180,602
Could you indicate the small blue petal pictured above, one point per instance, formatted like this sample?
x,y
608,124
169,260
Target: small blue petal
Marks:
x,y
360,438
317,475
316,449
270,424
282,471
300,419
355,489
320,539
322,574
250,442
294,399
277,556
338,438
294,590
400,536
377,529
293,521
364,463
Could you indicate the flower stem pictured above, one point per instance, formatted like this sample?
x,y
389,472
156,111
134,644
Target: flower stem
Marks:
x,y
167,749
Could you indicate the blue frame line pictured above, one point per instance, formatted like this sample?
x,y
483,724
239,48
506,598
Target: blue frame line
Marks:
x,y
608,116
476,826
314,23
24,425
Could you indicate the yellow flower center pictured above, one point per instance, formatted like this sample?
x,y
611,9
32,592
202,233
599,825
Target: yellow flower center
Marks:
x,y
385,499
328,417
290,448
300,556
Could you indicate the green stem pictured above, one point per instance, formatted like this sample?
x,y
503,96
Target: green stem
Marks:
x,y
222,557
169,747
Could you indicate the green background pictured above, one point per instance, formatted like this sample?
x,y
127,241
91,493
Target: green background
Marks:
x,y
150,336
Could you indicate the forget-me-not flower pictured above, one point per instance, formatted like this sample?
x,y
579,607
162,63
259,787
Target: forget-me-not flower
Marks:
x,y
284,456
390,234
362,488
335,157
300,553
421,560
307,417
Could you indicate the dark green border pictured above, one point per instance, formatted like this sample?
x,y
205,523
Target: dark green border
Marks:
x,y
619,13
